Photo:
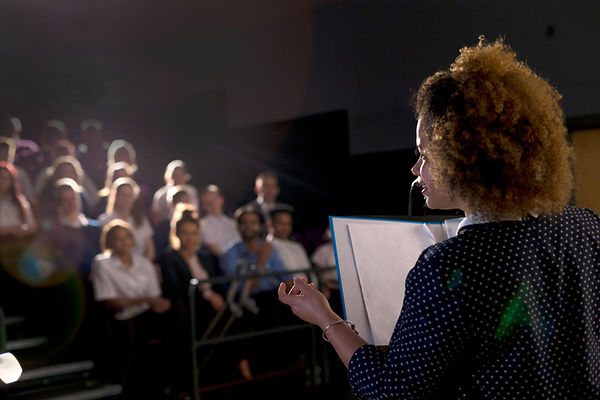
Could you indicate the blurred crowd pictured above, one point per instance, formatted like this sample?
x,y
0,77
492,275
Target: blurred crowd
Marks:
x,y
74,211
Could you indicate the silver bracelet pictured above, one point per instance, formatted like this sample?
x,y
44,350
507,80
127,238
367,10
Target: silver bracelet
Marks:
x,y
341,321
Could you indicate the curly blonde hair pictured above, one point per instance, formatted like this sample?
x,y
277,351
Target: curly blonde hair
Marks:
x,y
497,134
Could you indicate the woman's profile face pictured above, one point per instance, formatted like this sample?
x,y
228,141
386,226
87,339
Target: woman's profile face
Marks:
x,y
435,196
189,236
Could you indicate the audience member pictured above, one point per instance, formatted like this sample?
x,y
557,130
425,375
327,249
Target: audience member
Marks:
x,y
16,217
92,150
266,187
121,205
70,234
53,132
28,154
187,259
64,148
8,149
127,284
218,230
113,172
291,252
256,295
121,151
175,175
162,233
62,167
251,250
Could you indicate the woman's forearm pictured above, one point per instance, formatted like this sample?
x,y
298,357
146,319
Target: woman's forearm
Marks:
x,y
344,340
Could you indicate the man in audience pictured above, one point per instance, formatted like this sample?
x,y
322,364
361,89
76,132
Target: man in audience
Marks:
x,y
266,187
291,252
258,296
218,230
252,250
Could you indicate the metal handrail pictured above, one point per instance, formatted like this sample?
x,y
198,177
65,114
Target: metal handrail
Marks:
x,y
259,273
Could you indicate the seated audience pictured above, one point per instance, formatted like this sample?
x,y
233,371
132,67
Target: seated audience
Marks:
x,y
121,205
291,252
16,217
218,230
175,175
127,284
266,188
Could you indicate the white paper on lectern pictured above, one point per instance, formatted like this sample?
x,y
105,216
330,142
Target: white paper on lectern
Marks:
x,y
384,254
351,283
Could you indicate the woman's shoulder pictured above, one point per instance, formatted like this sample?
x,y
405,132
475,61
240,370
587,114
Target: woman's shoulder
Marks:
x,y
102,260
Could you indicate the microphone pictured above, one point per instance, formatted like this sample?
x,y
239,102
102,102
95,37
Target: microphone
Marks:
x,y
410,195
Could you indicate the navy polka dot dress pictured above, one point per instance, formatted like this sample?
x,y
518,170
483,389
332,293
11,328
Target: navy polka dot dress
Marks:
x,y
503,310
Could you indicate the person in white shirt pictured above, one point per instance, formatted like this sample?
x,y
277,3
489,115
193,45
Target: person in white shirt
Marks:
x,y
175,174
291,252
218,230
121,204
127,283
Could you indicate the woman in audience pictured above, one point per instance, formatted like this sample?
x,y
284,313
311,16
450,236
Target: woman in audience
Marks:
x,y
8,149
162,231
121,205
71,234
127,284
16,218
187,259
175,174
121,151
63,167
113,172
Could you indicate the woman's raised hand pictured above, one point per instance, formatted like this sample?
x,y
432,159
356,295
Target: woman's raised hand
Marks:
x,y
307,303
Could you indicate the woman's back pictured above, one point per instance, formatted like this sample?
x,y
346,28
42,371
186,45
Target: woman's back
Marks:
x,y
503,310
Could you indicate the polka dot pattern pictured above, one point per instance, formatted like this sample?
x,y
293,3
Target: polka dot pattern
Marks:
x,y
504,310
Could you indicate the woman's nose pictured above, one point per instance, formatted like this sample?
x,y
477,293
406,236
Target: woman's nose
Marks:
x,y
416,168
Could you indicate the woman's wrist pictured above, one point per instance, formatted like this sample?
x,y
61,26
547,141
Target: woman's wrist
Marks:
x,y
329,319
